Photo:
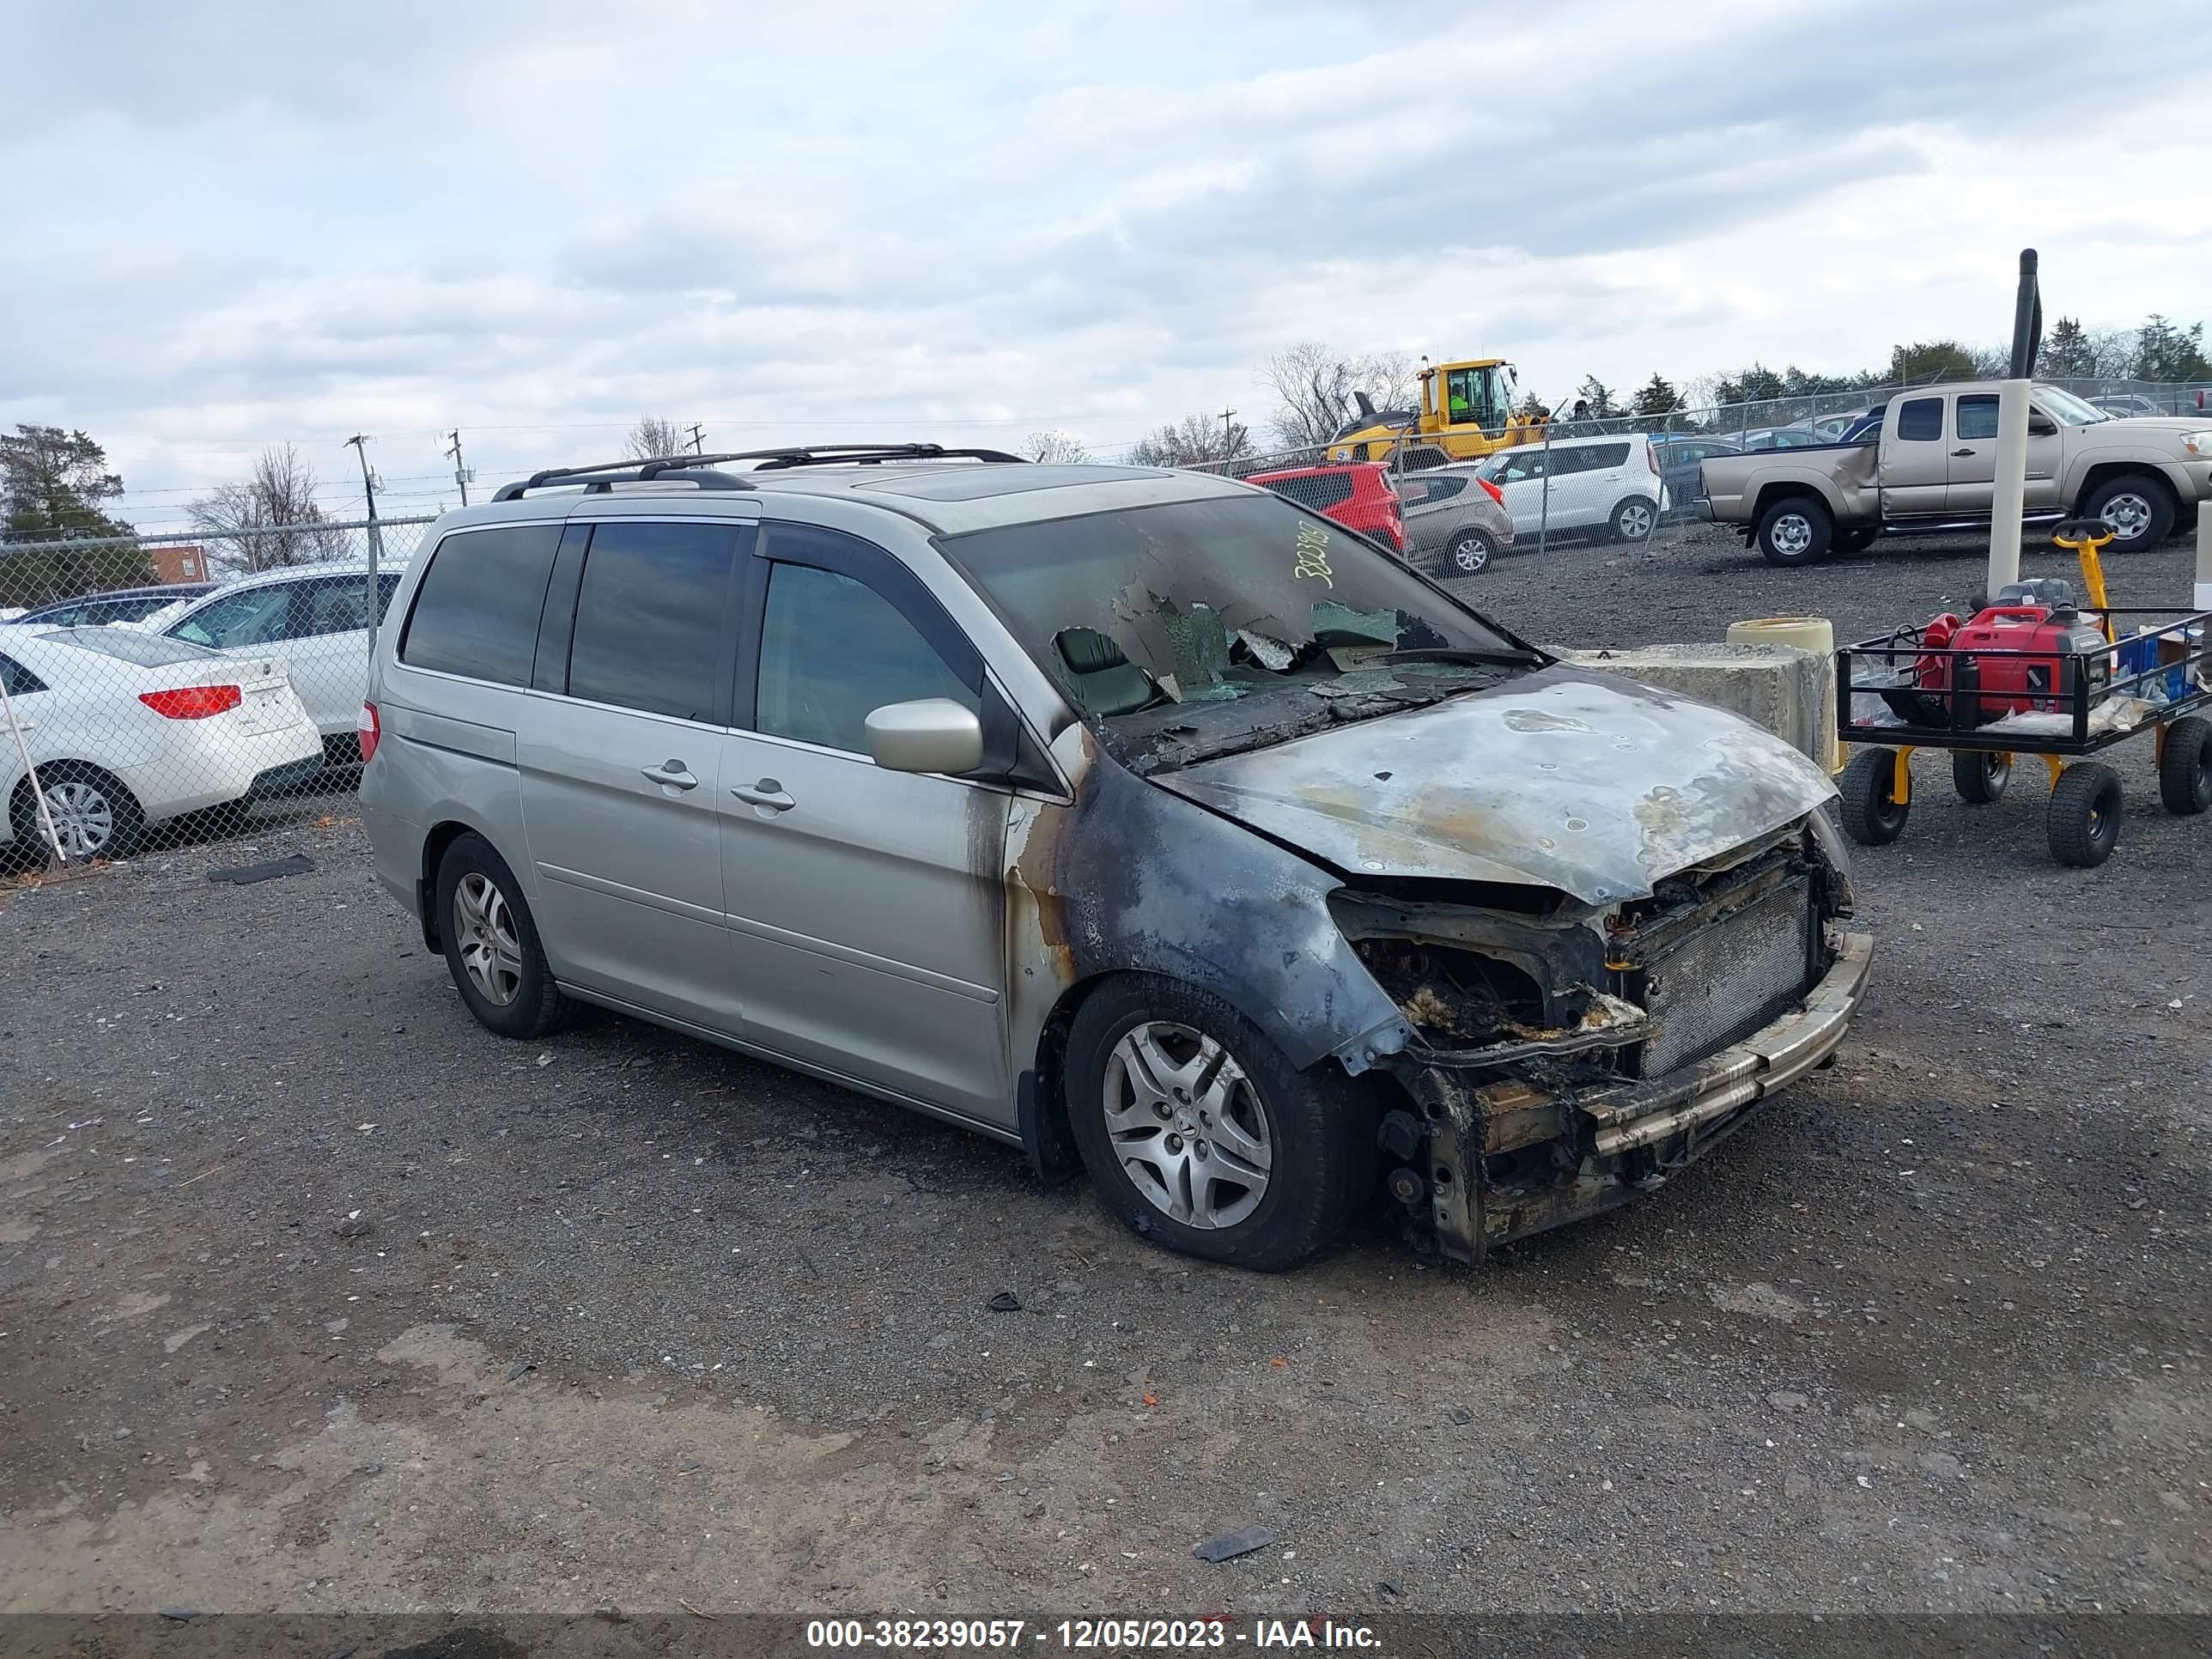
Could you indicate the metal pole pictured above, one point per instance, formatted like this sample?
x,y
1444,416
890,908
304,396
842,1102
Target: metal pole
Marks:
x,y
37,790
461,471
2204,556
2010,499
359,442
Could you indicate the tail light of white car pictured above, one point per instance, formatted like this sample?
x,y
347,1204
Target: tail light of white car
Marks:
x,y
371,729
193,702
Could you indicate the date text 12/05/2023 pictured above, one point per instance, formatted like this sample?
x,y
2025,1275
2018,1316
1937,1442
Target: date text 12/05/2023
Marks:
x,y
1080,1635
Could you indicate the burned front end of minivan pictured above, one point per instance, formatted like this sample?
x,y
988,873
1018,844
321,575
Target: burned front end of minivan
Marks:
x,y
1567,1055
1614,920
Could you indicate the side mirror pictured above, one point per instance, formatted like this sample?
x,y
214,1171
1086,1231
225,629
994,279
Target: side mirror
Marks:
x,y
931,734
2042,426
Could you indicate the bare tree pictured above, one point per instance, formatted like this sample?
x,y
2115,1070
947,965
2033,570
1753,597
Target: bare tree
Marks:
x,y
272,519
1317,390
1194,440
653,437
1056,448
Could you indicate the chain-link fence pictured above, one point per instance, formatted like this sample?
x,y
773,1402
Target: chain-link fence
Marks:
x,y
158,689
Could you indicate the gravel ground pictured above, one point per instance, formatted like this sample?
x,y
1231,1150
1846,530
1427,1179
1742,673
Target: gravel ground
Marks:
x,y
315,1297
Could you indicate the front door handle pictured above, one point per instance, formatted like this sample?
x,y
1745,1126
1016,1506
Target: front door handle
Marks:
x,y
1964,454
767,794
672,773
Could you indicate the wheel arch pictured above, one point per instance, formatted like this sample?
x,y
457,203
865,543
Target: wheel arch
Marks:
x,y
1776,491
436,839
2104,472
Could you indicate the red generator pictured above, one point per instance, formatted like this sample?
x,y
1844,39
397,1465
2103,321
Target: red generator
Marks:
x,y
2013,653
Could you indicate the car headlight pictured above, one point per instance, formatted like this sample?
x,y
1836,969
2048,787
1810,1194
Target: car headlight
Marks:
x,y
2198,444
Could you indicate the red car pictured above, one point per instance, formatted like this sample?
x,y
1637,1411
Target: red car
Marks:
x,y
1357,495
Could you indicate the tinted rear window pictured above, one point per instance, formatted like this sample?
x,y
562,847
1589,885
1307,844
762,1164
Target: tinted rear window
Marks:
x,y
649,618
1319,490
477,612
1920,419
1588,457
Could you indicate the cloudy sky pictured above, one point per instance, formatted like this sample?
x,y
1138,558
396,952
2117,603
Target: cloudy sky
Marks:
x,y
231,224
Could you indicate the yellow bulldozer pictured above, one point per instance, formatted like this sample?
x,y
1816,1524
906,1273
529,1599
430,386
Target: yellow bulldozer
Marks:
x,y
1466,412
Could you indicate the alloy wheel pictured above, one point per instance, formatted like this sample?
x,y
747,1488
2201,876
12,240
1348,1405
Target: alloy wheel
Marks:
x,y
1187,1125
492,950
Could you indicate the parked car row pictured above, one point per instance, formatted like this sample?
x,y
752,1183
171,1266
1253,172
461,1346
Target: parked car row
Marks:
x,y
1452,520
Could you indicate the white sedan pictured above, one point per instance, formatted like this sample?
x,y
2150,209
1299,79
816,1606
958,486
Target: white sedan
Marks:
x,y
125,729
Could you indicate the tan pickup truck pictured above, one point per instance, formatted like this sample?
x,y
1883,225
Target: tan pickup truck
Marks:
x,y
1928,462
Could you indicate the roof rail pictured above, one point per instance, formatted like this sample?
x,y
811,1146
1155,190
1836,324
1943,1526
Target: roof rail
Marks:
x,y
699,469
773,460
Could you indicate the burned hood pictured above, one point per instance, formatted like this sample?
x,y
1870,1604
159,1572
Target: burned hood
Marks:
x,y
1567,779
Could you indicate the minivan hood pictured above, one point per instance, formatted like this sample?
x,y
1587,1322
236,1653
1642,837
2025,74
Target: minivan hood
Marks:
x,y
1594,785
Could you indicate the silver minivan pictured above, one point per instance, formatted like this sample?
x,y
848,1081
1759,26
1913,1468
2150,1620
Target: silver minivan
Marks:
x,y
1141,819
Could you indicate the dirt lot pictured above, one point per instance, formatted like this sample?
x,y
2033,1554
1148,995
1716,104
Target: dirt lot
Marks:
x,y
315,1297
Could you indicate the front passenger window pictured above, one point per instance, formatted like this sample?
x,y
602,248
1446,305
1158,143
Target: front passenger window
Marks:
x,y
833,650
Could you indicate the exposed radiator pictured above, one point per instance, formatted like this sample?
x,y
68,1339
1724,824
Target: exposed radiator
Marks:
x,y
1725,982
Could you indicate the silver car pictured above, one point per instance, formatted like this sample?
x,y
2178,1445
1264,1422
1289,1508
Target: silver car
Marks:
x,y
1456,520
1141,819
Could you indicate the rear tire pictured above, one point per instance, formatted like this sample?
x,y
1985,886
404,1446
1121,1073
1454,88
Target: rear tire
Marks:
x,y
1980,779
2083,820
2185,766
1468,553
2136,508
1873,816
1796,530
1308,1136
492,948
94,812
1633,520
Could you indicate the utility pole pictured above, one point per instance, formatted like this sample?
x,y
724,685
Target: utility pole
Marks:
x,y
1227,415
461,473
698,438
359,442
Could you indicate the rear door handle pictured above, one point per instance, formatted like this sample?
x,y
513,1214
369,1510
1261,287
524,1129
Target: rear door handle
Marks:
x,y
768,794
1964,454
672,773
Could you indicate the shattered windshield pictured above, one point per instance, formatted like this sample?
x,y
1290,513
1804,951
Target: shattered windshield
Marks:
x,y
1202,627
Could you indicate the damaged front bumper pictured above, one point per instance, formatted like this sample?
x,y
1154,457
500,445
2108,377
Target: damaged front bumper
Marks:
x,y
1508,1158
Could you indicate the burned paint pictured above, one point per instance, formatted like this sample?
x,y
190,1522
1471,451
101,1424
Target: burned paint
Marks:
x,y
1127,877
1474,794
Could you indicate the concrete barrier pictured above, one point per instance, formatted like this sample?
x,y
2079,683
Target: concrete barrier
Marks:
x,y
1778,687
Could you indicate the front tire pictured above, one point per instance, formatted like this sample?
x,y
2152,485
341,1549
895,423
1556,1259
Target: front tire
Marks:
x,y
94,813
1797,530
2136,508
492,948
1201,1136
1873,816
2082,822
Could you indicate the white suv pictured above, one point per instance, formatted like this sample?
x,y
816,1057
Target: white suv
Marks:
x,y
1609,485
312,618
